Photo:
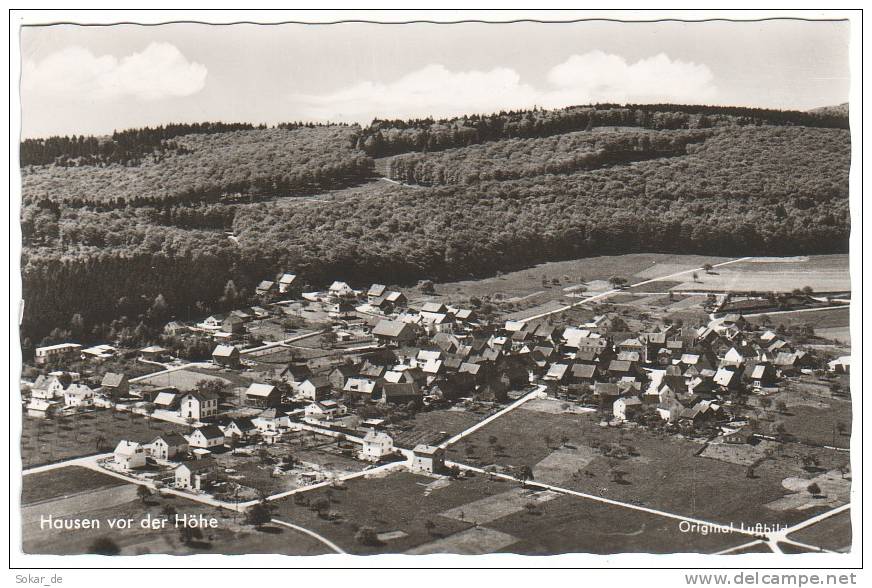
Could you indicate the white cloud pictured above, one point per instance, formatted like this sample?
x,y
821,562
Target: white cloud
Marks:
x,y
581,79
159,71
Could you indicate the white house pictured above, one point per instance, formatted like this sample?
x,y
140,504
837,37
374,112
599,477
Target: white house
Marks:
x,y
324,410
427,458
195,475
198,406
130,455
168,446
78,395
271,421
206,437
625,408
376,445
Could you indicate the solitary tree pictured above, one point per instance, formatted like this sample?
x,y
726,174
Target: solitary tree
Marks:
x,y
143,493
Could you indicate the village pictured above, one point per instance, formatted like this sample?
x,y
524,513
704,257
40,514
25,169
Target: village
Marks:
x,y
312,389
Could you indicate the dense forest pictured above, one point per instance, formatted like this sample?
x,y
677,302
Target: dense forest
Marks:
x,y
110,241
391,137
235,165
521,158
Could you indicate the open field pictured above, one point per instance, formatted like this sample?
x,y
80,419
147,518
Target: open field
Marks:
x,y
575,525
182,379
832,323
823,273
62,483
398,501
50,440
232,536
522,283
659,471
435,426
832,533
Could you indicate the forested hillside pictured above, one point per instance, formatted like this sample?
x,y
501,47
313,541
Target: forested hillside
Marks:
x,y
147,241
246,164
391,137
521,158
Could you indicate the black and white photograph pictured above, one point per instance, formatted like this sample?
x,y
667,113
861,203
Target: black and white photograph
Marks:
x,y
485,285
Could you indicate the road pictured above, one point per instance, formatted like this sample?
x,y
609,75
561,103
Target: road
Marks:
x,y
614,291
320,538
774,312
531,395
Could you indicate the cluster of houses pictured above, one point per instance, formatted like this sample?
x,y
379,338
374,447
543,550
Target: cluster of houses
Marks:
x,y
61,391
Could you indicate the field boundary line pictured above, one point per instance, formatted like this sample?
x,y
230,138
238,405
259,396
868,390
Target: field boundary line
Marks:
x,y
320,538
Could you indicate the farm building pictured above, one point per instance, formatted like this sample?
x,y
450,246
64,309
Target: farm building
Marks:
x,y
262,396
226,355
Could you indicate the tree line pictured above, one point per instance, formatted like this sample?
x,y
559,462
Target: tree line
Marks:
x,y
518,158
392,137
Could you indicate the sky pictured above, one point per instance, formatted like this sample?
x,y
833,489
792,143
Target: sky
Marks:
x,y
93,80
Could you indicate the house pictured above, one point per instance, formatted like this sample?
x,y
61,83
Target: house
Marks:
x,y
465,315
271,420
400,393
840,365
376,291
364,388
376,445
557,372
233,324
763,376
339,375
427,458
129,455
583,373
324,410
314,388
621,369
153,352
44,355
340,290
627,408
115,385
206,437
286,283
195,475
728,379
734,357
198,405
42,408
265,288
49,388
213,322
240,429
168,446
99,352
393,332
78,395
227,356
167,400
741,436
295,374
262,396
175,328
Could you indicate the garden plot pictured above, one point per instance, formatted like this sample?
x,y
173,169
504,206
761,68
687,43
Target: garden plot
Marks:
x,y
551,406
834,491
562,464
741,454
